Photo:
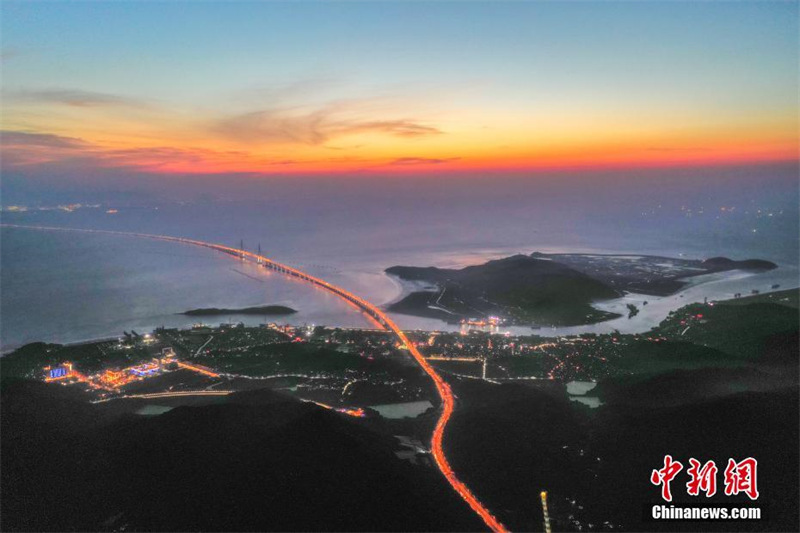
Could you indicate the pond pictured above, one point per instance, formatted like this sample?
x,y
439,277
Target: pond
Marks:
x,y
402,410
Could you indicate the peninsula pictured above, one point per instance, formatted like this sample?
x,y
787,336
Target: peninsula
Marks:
x,y
520,289
549,289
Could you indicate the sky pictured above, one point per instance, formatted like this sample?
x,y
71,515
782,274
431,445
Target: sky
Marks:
x,y
394,88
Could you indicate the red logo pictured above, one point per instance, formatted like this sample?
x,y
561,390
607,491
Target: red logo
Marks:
x,y
703,478
664,476
739,477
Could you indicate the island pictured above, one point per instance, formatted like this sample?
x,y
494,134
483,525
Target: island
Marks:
x,y
520,289
259,310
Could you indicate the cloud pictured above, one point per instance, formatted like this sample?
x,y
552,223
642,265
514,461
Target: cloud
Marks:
x,y
47,151
406,161
24,149
313,127
156,156
273,126
18,139
71,97
673,149
400,128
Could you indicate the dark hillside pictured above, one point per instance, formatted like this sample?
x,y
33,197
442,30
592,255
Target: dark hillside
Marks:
x,y
521,288
260,462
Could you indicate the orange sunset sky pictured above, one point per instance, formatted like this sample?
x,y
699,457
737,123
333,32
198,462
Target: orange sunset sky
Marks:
x,y
274,88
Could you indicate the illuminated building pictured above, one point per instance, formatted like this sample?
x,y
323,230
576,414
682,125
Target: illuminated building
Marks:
x,y
60,372
113,378
146,369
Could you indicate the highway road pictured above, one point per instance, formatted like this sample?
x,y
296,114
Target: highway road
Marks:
x,y
377,315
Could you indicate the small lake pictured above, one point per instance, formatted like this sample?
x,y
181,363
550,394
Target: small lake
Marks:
x,y
577,393
153,410
592,401
402,410
579,388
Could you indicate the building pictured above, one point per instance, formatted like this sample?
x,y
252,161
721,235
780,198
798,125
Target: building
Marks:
x,y
58,373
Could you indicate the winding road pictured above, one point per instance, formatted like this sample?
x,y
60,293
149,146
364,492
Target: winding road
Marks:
x,y
443,389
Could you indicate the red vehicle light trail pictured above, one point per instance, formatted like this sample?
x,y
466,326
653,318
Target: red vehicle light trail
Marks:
x,y
373,312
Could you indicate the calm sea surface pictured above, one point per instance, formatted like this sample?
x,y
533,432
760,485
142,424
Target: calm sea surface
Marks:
x,y
70,286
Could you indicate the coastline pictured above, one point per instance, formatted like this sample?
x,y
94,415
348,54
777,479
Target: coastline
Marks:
x,y
649,316
715,286
405,288
5,350
785,275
